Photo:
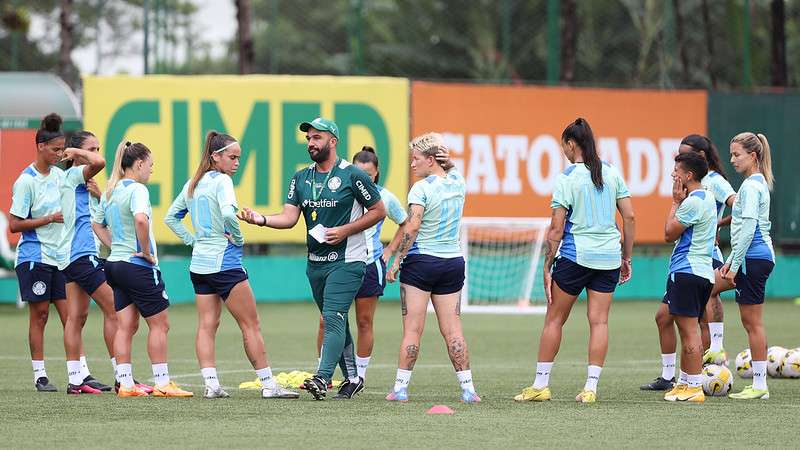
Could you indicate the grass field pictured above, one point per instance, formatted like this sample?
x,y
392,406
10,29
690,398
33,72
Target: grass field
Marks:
x,y
503,357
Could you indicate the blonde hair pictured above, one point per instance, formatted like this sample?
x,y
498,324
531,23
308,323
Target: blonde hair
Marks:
x,y
126,155
430,144
215,141
757,143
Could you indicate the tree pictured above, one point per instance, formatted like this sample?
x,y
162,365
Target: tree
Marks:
x,y
569,31
245,39
778,41
65,68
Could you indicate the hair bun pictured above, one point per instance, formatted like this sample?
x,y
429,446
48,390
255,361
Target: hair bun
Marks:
x,y
52,123
367,148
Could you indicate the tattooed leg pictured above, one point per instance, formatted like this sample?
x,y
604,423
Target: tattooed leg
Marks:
x,y
414,305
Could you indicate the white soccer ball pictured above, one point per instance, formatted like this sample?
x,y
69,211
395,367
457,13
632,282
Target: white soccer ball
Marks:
x,y
744,366
717,380
791,364
775,355
721,359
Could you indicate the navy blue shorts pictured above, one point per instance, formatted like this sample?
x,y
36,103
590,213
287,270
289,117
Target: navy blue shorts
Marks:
x,y
87,271
39,282
220,283
573,278
687,294
138,285
439,276
751,281
374,280
716,264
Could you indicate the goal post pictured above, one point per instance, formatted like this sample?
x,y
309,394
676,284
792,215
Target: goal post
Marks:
x,y
503,258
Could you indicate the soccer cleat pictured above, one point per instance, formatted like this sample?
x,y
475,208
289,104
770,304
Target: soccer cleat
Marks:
x,y
145,387
659,384
316,386
348,389
531,394
96,384
82,389
255,384
672,393
687,394
749,393
586,396
398,396
215,393
170,390
278,392
131,392
468,397
43,385
719,357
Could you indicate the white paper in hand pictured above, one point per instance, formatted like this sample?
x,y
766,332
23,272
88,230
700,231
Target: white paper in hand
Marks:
x,y
318,232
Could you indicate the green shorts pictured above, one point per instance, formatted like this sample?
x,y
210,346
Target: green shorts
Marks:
x,y
336,284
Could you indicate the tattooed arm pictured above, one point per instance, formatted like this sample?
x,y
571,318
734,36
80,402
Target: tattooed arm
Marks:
x,y
553,239
410,231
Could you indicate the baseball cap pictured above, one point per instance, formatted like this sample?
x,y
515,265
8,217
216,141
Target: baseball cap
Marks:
x,y
322,125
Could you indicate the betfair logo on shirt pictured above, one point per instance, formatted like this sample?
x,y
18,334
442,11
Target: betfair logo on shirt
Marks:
x,y
363,190
323,203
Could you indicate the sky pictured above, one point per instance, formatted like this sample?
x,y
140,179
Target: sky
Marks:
x,y
217,19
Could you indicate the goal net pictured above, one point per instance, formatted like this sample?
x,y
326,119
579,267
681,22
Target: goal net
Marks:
x,y
504,261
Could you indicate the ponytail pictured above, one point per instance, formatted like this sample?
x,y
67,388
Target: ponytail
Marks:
x,y
126,155
700,143
581,134
367,155
757,143
215,142
49,129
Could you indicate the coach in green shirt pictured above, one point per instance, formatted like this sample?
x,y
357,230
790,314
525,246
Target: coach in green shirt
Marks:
x,y
338,202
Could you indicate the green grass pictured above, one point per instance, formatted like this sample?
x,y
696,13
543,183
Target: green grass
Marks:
x,y
503,358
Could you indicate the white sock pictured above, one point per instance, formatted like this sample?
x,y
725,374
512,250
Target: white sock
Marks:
x,y
694,381
124,375
160,374
74,373
210,377
683,378
542,374
760,375
668,366
319,361
265,375
114,366
592,377
38,369
84,368
715,329
402,380
361,365
465,380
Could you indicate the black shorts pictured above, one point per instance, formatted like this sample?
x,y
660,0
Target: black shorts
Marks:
x,y
751,281
374,280
573,278
138,285
87,271
39,282
220,283
687,294
716,264
439,276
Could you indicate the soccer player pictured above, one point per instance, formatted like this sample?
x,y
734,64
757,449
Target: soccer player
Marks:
x,y
216,269
692,222
331,194
752,257
432,264
36,213
584,232
82,270
132,269
375,276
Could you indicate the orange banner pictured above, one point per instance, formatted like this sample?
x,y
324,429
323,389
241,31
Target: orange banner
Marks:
x,y
506,142
17,151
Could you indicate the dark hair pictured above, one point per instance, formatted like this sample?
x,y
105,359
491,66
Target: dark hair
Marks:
x,y
581,133
214,141
368,155
126,155
694,163
700,143
77,138
49,129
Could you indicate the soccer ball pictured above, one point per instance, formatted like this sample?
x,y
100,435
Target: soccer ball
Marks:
x,y
743,364
791,364
720,359
775,355
717,380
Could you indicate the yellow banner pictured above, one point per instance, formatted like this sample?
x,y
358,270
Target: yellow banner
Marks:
x,y
171,115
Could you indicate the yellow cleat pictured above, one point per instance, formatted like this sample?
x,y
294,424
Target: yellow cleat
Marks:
x,y
131,392
748,393
586,396
530,394
170,390
688,394
251,384
675,390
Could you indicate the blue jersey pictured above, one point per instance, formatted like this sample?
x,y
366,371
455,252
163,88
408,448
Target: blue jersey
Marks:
x,y
591,238
693,251
443,200
395,212
35,195
752,202
77,238
128,199
722,190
